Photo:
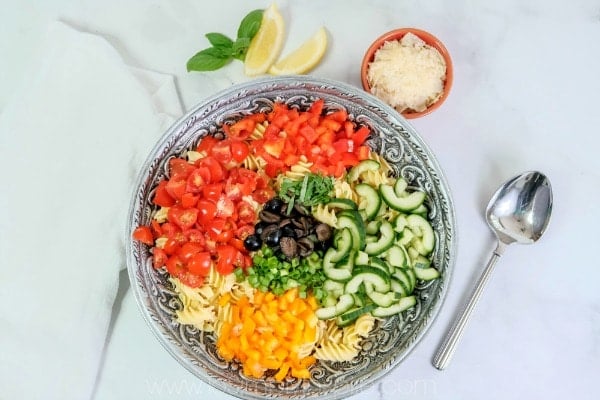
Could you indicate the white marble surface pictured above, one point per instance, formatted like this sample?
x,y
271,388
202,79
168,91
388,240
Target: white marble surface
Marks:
x,y
525,96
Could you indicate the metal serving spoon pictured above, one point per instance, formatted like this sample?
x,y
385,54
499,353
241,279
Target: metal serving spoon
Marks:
x,y
517,213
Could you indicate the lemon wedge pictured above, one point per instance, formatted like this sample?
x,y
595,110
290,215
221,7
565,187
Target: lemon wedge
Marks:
x,y
304,58
266,44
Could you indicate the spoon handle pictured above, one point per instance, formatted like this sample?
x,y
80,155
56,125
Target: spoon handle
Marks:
x,y
446,350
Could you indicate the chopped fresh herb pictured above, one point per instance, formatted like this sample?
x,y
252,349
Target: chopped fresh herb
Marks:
x,y
224,48
313,189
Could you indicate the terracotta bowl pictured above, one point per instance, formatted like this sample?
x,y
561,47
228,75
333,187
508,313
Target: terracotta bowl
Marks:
x,y
428,38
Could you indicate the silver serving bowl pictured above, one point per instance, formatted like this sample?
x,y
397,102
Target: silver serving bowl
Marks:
x,y
392,339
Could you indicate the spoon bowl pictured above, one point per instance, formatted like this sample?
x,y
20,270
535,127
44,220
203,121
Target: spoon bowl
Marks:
x,y
518,212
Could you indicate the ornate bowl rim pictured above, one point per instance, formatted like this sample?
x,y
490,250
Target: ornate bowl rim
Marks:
x,y
312,85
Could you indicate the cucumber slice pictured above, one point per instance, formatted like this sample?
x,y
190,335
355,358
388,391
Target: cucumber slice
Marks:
x,y
382,265
352,315
399,288
421,210
400,187
352,220
421,262
331,286
344,303
402,276
427,274
383,299
422,229
372,275
331,270
373,227
396,256
401,305
365,165
386,240
342,204
406,237
400,223
370,197
412,276
406,203
342,241
361,258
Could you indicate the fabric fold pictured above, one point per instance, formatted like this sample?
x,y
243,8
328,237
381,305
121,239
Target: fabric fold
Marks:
x,y
71,145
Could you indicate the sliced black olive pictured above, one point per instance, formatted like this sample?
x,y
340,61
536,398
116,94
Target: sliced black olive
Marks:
x,y
274,205
258,228
253,242
267,231
322,246
305,247
273,238
269,216
288,231
289,247
323,232
285,221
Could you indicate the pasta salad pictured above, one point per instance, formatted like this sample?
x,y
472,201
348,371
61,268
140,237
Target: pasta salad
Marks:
x,y
288,238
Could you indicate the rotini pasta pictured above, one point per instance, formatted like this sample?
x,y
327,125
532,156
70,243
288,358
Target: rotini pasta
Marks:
x,y
343,344
259,130
201,306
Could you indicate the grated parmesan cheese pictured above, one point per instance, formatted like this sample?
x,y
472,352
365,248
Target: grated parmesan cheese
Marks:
x,y
408,74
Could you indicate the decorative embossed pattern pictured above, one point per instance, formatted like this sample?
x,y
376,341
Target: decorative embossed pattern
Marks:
x,y
392,339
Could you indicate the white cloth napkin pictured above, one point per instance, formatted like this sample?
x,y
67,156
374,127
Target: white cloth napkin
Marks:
x,y
71,145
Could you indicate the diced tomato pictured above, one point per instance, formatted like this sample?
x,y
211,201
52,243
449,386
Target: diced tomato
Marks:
x,y
195,236
157,229
171,246
161,196
246,213
188,250
225,207
239,150
179,168
184,217
242,129
217,173
207,211
143,234
189,200
169,229
200,263
206,144
221,151
159,257
191,280
244,231
220,230
226,257
212,191
237,243
176,188
263,195
175,266
197,179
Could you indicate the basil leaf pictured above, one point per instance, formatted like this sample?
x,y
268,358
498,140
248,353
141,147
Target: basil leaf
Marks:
x,y
207,60
239,48
250,24
219,40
